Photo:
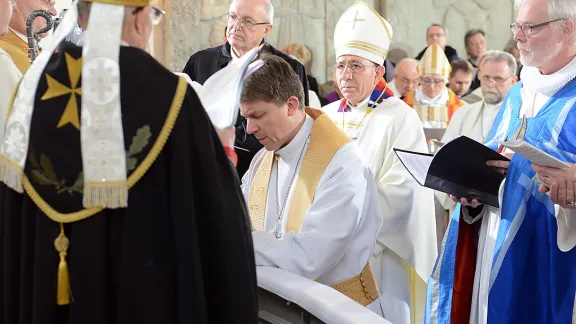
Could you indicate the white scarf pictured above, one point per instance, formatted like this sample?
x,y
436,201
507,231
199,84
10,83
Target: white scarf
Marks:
x,y
101,132
440,100
535,82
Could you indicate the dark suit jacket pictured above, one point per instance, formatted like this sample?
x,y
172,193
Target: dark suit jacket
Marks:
x,y
451,53
205,63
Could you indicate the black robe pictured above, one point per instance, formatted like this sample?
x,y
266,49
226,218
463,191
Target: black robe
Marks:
x,y
180,253
205,63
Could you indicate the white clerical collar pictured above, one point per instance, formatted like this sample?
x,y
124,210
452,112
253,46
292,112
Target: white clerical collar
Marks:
x,y
439,100
293,149
362,105
536,82
21,36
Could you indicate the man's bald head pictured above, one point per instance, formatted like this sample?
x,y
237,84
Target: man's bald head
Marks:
x,y
406,76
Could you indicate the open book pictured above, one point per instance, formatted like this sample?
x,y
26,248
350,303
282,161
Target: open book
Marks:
x,y
534,154
458,168
220,94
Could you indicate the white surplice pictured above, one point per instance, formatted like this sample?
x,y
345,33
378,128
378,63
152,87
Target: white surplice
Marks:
x,y
9,77
407,239
537,90
339,230
474,121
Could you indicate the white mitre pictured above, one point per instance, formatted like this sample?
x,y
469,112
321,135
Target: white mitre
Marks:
x,y
434,62
361,31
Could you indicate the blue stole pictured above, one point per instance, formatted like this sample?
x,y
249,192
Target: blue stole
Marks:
x,y
532,281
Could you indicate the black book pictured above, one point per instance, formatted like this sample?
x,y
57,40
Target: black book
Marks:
x,y
458,168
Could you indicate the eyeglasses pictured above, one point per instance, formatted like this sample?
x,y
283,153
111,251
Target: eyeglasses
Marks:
x,y
437,35
157,14
432,81
415,82
352,67
498,80
244,22
527,30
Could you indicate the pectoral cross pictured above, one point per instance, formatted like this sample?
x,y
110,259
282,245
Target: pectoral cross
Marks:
x,y
353,21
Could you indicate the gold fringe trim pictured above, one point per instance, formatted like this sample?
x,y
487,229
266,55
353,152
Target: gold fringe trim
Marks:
x,y
63,286
140,171
105,195
11,174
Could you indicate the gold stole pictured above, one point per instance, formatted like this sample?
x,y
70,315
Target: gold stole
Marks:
x,y
325,140
16,48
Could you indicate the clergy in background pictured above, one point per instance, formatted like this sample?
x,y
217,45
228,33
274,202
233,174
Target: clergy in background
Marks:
x,y
15,42
110,167
313,203
434,102
475,121
378,122
406,77
9,73
248,23
517,263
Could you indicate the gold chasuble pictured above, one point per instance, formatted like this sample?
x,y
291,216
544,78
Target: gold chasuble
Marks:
x,y
17,49
325,140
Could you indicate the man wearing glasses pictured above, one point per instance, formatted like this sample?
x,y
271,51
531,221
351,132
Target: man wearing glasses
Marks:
x,y
516,263
109,168
15,43
434,102
378,122
248,22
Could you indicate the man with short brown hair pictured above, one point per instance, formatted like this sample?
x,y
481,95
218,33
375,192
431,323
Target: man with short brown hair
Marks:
x,y
313,203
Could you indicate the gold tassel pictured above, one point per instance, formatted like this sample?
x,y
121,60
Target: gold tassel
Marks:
x,y
63,291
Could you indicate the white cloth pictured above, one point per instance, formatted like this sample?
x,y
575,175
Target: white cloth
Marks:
x,y
392,86
439,103
409,229
314,100
474,121
565,218
339,229
323,302
9,77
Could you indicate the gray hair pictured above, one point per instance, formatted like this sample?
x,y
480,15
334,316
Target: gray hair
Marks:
x,y
269,9
499,56
557,9
437,25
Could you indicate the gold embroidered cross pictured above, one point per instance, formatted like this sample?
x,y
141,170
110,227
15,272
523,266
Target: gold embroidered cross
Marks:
x,y
57,89
353,21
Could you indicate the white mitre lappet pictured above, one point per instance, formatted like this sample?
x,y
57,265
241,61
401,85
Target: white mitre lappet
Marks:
x,y
434,62
361,31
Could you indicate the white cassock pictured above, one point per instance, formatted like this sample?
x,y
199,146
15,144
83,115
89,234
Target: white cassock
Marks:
x,y
490,218
339,230
9,77
474,121
407,239
392,86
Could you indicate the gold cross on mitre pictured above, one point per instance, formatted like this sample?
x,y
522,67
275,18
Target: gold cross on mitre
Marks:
x,y
57,89
353,21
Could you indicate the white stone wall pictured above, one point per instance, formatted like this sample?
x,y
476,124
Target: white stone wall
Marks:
x,y
192,25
